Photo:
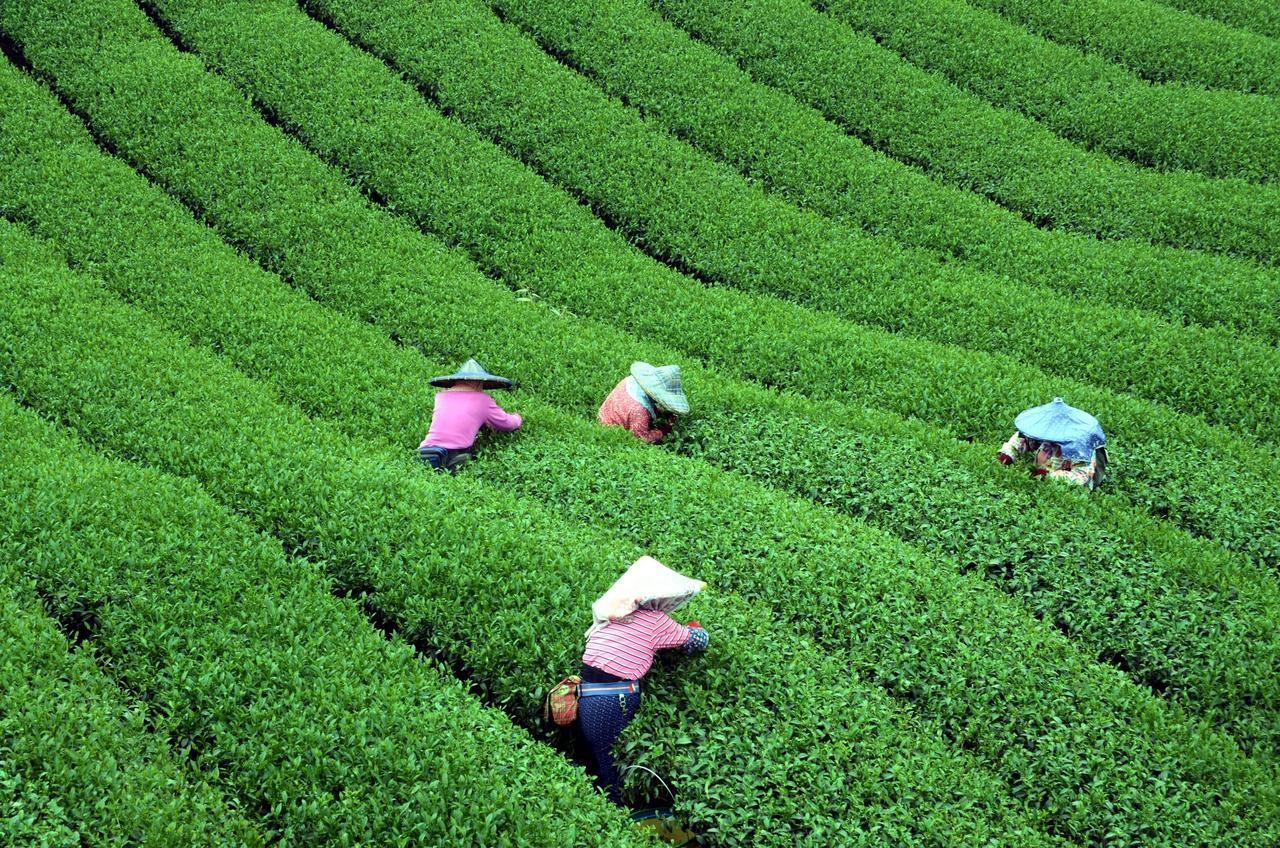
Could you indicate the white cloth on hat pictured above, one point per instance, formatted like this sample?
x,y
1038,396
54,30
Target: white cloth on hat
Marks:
x,y
647,584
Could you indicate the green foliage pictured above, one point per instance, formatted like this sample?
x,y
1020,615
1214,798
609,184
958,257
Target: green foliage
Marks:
x,y
993,725
539,240
954,136
689,210
1258,16
1155,41
920,631
1081,97
707,100
469,319
77,764
253,671
504,606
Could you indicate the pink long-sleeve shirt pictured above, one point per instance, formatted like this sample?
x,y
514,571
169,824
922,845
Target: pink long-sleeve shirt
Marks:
x,y
626,648
459,415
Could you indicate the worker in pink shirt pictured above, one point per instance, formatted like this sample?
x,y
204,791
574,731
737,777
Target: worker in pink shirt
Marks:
x,y
646,401
460,411
632,623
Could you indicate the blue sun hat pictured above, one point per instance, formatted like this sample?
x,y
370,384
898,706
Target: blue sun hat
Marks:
x,y
662,384
471,370
1078,432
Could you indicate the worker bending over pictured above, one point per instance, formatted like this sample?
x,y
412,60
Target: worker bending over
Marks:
x,y
1064,443
646,402
632,623
460,411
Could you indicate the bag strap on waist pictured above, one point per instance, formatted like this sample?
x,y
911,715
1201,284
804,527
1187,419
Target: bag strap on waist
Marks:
x,y
623,687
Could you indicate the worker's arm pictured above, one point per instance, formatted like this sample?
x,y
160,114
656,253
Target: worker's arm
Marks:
x,y
501,420
1012,449
669,633
641,425
1081,474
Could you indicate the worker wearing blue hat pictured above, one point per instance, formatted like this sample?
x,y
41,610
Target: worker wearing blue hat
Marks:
x,y
1064,442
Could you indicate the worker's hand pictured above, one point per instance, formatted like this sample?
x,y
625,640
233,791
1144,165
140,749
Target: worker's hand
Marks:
x,y
1004,458
695,624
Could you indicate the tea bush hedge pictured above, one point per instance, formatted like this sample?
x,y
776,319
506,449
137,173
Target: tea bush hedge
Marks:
x,y
1257,16
1146,655
1154,41
741,535
705,99
1081,97
691,211
504,608
955,137
251,669
588,269
78,765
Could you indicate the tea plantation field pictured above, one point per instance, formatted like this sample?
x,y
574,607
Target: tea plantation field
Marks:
x,y
238,237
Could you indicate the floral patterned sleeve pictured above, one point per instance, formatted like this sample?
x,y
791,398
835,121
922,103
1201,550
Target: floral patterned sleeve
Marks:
x,y
1015,447
1079,474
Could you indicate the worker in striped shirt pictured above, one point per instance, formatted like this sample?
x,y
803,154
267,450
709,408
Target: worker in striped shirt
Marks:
x,y
620,651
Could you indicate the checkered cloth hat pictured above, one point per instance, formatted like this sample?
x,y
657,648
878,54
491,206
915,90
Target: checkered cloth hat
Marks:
x,y
663,385
471,370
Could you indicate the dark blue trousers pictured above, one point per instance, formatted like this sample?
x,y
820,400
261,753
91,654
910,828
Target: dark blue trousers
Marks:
x,y
602,718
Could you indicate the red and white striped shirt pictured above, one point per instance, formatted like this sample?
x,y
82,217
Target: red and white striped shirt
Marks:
x,y
626,648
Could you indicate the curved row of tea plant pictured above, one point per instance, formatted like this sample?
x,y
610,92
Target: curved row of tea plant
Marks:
x,y
742,536
1154,41
547,244
1081,97
959,139
252,667
505,606
704,98
697,213
379,266
77,764
1257,16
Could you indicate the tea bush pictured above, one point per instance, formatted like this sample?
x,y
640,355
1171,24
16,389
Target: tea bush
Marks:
x,y
707,100
1147,656
1081,97
689,210
954,136
1155,41
1257,16
763,339
744,537
253,671
78,764
504,607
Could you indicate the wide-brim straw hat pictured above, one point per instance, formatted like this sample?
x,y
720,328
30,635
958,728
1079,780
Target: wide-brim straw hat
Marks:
x,y
1077,431
663,385
646,584
471,370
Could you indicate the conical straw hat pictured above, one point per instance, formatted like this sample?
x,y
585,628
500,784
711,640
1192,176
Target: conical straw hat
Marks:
x,y
472,370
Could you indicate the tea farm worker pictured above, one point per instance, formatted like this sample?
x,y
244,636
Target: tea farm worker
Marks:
x,y
645,401
460,411
1064,442
632,623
